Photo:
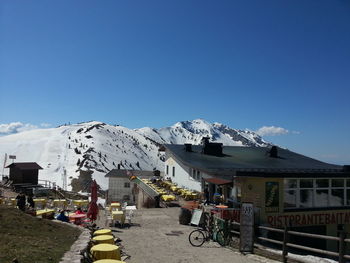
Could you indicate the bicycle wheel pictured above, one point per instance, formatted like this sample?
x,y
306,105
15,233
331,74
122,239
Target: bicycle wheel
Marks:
x,y
196,238
220,238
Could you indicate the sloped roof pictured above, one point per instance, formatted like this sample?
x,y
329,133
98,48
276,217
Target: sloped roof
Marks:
x,y
124,173
240,160
215,180
25,166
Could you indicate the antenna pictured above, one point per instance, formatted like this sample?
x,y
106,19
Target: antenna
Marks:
x,y
64,179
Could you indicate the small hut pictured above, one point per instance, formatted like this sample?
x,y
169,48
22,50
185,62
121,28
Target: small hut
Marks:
x,y
24,173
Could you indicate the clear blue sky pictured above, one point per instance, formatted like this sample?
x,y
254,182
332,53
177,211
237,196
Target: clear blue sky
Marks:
x,y
246,64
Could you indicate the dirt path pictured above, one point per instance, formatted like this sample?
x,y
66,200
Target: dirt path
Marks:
x,y
156,236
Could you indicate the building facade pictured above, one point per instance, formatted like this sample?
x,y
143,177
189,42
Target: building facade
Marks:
x,y
120,188
287,189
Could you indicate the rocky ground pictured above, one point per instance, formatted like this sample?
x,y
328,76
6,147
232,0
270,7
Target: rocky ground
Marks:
x,y
156,236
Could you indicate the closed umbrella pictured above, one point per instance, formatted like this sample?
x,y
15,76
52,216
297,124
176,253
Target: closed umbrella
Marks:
x,y
93,208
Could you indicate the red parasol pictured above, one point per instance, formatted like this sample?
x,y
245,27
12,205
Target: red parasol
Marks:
x,y
93,208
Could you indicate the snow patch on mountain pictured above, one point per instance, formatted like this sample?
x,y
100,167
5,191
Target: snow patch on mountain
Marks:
x,y
100,147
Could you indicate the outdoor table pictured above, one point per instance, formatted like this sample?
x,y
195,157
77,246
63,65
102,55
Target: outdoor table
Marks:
x,y
105,251
109,261
103,232
40,202
168,198
77,218
131,207
174,188
221,206
44,211
191,196
81,202
104,239
115,206
118,216
184,192
60,202
162,192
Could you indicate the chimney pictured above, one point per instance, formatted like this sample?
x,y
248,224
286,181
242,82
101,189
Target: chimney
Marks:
x,y
211,148
188,147
273,152
119,166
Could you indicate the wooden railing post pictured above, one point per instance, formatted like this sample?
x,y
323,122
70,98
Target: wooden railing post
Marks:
x,y
225,228
342,236
284,246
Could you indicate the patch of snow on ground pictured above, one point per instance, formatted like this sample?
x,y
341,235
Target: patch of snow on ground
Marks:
x,y
306,259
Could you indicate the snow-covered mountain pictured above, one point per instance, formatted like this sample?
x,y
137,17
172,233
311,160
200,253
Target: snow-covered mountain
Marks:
x,y
62,151
194,131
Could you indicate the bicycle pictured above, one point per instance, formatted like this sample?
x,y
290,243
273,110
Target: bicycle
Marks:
x,y
205,234
228,238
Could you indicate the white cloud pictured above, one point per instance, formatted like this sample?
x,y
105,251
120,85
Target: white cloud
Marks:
x,y
271,131
16,127
45,125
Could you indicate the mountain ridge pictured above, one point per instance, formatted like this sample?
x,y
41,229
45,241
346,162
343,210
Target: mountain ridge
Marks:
x,y
101,147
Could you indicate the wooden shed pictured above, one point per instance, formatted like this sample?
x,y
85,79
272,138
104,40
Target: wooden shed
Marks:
x,y
23,173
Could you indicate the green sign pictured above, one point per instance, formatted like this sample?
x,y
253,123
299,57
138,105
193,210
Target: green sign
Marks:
x,y
272,199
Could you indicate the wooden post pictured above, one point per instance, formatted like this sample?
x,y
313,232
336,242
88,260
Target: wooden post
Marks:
x,y
247,228
342,236
285,248
226,230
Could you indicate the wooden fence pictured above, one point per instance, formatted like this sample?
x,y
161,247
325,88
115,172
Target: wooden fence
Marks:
x,y
342,241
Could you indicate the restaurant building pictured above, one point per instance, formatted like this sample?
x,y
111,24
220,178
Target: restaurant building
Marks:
x,y
286,188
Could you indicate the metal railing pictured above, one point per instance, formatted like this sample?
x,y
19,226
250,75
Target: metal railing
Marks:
x,y
147,189
47,183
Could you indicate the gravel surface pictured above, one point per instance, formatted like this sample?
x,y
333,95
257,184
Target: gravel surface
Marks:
x,y
157,236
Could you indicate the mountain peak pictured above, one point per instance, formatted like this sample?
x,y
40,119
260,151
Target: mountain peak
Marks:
x,y
194,125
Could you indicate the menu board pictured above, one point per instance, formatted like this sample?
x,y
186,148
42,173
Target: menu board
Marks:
x,y
196,217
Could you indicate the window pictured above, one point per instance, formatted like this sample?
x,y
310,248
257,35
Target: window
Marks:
x,y
195,174
306,192
290,193
320,192
167,169
173,171
127,185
